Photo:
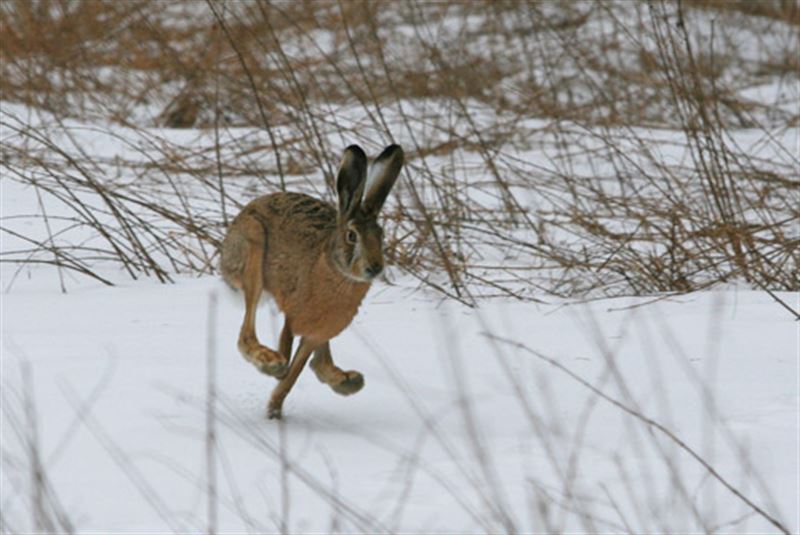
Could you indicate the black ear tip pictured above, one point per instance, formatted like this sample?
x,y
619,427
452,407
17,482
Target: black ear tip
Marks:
x,y
394,148
393,151
356,151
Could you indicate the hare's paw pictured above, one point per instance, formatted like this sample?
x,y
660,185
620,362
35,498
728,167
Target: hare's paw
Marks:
x,y
351,383
268,361
274,410
272,363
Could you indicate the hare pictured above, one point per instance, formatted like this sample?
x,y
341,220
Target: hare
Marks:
x,y
316,261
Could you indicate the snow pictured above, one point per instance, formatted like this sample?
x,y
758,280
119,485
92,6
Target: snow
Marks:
x,y
472,420
454,432
438,440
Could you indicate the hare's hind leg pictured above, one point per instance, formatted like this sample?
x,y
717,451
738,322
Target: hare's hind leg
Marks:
x,y
280,392
265,359
342,382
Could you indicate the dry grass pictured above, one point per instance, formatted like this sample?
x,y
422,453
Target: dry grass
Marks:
x,y
554,149
564,149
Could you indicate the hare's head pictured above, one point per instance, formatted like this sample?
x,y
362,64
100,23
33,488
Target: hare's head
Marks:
x,y
358,250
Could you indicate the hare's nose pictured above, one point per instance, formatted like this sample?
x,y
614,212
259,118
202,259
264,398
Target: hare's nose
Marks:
x,y
374,270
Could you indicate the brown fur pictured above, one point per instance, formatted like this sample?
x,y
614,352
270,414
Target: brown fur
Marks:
x,y
297,234
300,250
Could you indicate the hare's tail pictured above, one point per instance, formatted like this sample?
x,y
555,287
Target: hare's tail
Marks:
x,y
231,258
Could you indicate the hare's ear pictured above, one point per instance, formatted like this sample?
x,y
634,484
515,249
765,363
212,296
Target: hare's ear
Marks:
x,y
351,179
382,176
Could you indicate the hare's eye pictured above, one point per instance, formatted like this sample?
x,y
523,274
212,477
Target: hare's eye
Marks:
x,y
352,237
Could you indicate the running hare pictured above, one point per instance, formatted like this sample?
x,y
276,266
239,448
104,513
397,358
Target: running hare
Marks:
x,y
316,261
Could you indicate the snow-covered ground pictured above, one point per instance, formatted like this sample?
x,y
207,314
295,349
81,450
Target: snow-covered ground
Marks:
x,y
458,430
628,415
454,432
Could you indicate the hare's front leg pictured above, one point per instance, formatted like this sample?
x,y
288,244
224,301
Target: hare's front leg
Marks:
x,y
265,359
342,382
287,339
307,345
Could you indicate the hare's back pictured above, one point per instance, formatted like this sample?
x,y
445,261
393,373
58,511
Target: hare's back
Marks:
x,y
289,229
294,220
